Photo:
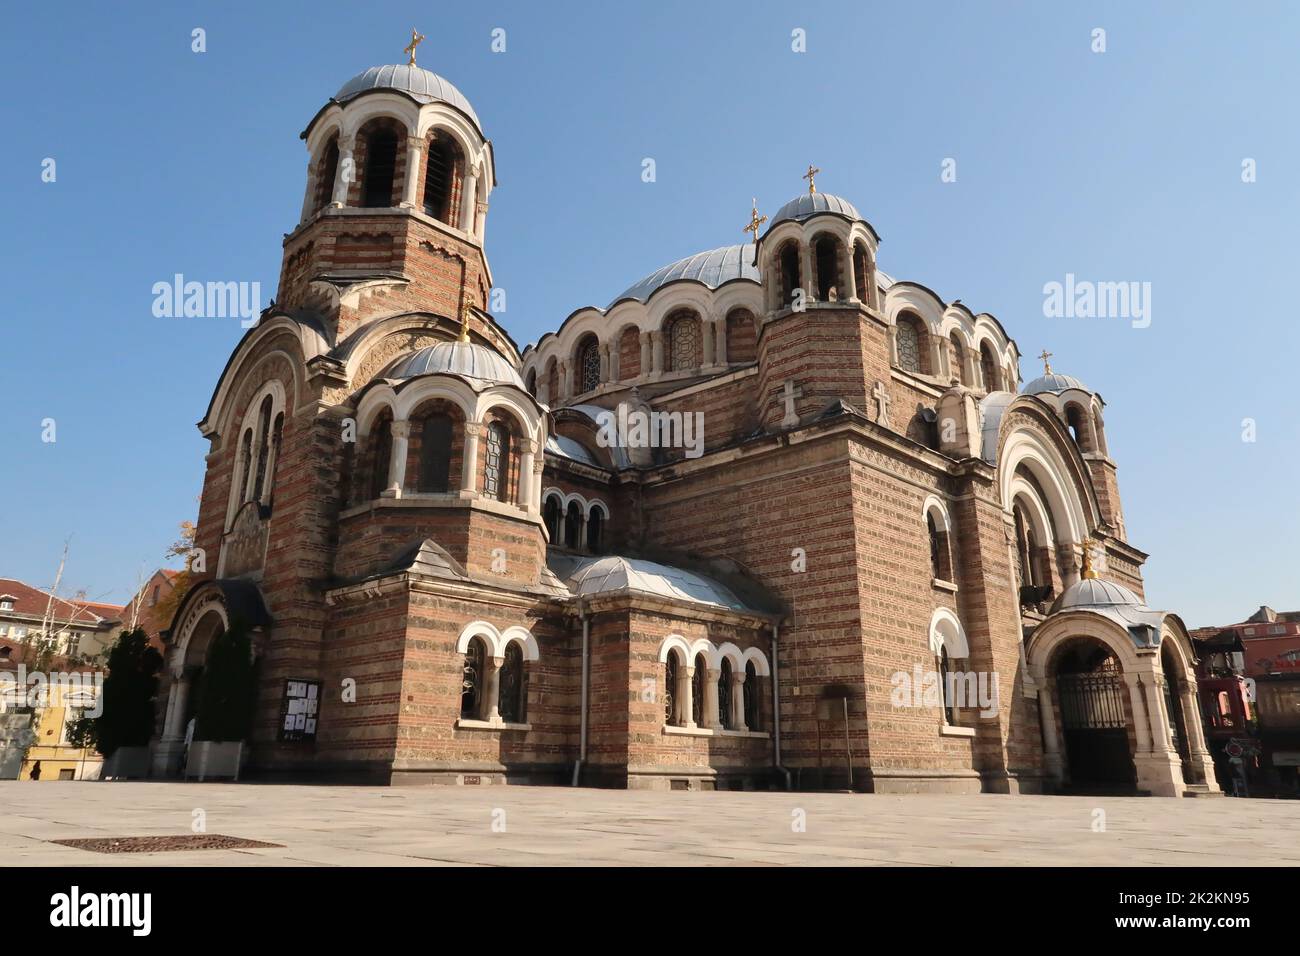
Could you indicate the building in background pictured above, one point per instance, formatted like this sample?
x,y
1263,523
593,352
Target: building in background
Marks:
x,y
1226,707
1270,651
84,630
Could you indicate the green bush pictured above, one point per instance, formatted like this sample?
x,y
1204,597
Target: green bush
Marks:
x,y
129,693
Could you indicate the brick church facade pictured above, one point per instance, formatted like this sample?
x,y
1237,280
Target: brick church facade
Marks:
x,y
769,519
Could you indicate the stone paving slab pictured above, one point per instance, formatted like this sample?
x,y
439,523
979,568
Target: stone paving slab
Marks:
x,y
553,826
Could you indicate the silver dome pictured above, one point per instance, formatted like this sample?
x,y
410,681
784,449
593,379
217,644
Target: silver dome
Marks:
x,y
712,268
465,359
1053,383
811,204
1096,593
423,85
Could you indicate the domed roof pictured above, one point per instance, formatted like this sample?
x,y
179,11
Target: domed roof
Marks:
x,y
1053,382
712,268
424,85
466,359
809,204
611,574
1096,593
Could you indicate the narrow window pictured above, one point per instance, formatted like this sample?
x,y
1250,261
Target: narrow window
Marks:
x,y
724,695
263,447
438,172
381,456
381,164
936,547
697,689
909,345
435,454
588,365
572,525
496,474
245,465
751,696
471,680
595,530
551,515
860,273
827,268
510,704
958,359
949,712
683,343
988,368
672,674
328,172
790,279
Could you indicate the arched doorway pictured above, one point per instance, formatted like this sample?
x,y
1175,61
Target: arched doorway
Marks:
x,y
1179,735
1091,694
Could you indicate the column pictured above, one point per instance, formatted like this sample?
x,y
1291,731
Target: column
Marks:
x,y
738,699
686,697
480,222
720,351
397,464
566,381
657,352
469,200
1053,764
469,462
711,699
345,173
492,690
1202,764
646,354
605,364
893,345
410,189
310,193
708,332
939,357
526,498
847,288
805,271
1140,725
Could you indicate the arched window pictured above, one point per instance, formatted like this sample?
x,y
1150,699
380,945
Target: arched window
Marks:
x,y
439,179
724,695
683,342
909,344
595,530
958,359
946,686
245,465
698,679
826,255
381,454
672,677
381,165
263,447
751,696
989,368
471,684
326,173
1099,429
531,382
510,704
572,525
860,272
496,463
551,515
588,364
937,563
1026,549
435,454
790,278
277,432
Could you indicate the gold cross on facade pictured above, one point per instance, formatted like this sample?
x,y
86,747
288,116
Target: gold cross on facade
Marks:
x,y
812,171
465,314
1047,366
409,49
755,221
1088,572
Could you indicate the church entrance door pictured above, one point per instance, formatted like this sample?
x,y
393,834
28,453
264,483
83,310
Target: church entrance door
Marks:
x,y
1092,695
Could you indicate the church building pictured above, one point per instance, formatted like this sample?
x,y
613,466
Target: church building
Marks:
x,y
771,519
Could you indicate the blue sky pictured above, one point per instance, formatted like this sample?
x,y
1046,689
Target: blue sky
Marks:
x,y
1115,166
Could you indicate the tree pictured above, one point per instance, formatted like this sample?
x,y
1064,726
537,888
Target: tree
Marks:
x,y
225,711
129,693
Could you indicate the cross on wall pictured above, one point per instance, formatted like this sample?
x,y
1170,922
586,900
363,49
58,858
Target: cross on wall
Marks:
x,y
881,395
788,393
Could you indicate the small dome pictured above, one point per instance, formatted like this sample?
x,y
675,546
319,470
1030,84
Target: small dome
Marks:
x,y
465,359
419,83
712,268
810,204
1096,593
1053,383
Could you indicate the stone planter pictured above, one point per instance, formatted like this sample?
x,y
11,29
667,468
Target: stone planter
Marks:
x,y
211,759
127,763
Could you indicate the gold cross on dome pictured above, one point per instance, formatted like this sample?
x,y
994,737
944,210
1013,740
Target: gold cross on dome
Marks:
x,y
409,49
812,171
755,221
1047,366
465,314
1088,573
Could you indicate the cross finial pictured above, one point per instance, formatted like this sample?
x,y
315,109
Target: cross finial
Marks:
x,y
755,221
465,313
1047,366
409,49
1088,573
812,171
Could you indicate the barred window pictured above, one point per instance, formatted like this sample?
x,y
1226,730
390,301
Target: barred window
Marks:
x,y
989,368
497,462
697,689
511,702
263,446
724,695
435,454
471,684
909,346
381,166
684,341
589,365
672,674
751,696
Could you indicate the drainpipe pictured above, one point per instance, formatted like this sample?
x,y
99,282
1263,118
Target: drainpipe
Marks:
x,y
582,745
776,709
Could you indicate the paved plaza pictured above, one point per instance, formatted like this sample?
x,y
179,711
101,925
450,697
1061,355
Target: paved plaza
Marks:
x,y
503,826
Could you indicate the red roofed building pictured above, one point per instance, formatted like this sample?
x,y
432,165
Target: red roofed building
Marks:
x,y
85,629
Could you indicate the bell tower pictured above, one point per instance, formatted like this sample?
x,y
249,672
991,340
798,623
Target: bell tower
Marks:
x,y
395,205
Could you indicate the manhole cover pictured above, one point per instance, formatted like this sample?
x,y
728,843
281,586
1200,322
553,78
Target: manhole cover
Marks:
x,y
163,844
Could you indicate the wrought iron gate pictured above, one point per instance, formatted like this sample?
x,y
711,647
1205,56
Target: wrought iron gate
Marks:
x,y
1095,728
